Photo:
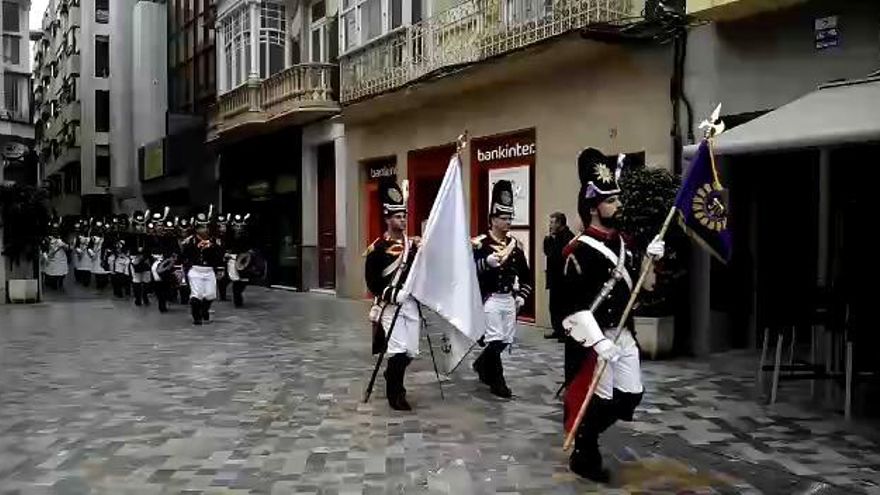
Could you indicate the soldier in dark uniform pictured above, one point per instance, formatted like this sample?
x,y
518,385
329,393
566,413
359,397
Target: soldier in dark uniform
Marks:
x,y
505,284
82,263
97,251
599,258
202,254
164,247
119,259
235,241
183,233
139,247
388,261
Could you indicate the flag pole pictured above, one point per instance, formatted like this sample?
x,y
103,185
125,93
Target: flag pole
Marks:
x,y
647,265
431,347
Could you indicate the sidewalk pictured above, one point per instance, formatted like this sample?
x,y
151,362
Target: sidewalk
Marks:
x,y
99,396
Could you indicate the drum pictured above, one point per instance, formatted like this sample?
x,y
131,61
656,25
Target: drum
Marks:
x,y
180,276
165,270
251,265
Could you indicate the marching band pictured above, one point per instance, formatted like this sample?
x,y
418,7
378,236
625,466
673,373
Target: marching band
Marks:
x,y
174,259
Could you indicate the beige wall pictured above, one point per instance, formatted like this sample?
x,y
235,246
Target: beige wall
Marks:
x,y
575,94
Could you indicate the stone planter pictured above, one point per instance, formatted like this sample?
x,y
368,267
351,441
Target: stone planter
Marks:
x,y
655,335
23,291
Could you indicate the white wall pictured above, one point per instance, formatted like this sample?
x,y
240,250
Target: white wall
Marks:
x,y
150,75
88,83
123,170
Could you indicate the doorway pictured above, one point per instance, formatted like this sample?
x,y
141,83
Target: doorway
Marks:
x,y
326,216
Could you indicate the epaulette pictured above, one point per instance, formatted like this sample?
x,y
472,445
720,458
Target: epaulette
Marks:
x,y
476,241
371,247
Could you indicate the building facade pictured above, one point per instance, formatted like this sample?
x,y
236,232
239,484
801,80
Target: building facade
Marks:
x,y
280,151
756,57
82,95
16,128
533,83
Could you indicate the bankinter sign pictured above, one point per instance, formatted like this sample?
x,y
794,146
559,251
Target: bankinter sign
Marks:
x,y
505,152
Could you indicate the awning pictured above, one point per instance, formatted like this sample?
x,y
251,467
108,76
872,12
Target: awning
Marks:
x,y
835,114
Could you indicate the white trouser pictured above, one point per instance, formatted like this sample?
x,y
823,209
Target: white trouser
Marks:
x,y
142,277
405,337
202,283
500,312
624,374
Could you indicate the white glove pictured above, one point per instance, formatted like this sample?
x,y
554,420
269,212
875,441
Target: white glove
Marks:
x,y
607,350
657,248
400,297
583,328
520,302
493,260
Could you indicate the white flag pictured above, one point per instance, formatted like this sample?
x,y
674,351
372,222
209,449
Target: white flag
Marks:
x,y
443,276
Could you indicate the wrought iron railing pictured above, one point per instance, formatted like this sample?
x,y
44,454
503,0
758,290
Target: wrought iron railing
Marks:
x,y
469,32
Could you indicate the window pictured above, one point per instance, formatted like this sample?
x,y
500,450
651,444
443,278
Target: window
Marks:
x,y
102,111
365,20
11,49
11,18
371,19
102,56
319,25
273,29
11,94
396,13
72,180
237,47
102,166
102,11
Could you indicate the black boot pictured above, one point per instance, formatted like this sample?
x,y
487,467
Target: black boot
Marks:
x,y
394,382
497,384
195,307
221,288
586,461
402,404
206,311
238,293
138,290
480,366
161,295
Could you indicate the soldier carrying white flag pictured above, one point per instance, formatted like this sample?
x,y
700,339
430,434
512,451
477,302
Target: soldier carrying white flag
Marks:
x,y
388,262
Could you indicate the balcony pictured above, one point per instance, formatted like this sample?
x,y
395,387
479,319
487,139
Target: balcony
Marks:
x,y
725,10
472,31
295,96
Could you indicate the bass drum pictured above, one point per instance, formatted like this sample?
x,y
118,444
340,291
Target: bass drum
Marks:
x,y
251,265
165,270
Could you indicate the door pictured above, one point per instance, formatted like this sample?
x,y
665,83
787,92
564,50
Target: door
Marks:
x,y
426,168
326,216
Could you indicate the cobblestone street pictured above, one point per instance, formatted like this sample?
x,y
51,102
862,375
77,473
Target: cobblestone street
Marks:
x,y
99,396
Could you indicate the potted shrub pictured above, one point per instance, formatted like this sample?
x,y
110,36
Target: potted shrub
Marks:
x,y
648,194
23,224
